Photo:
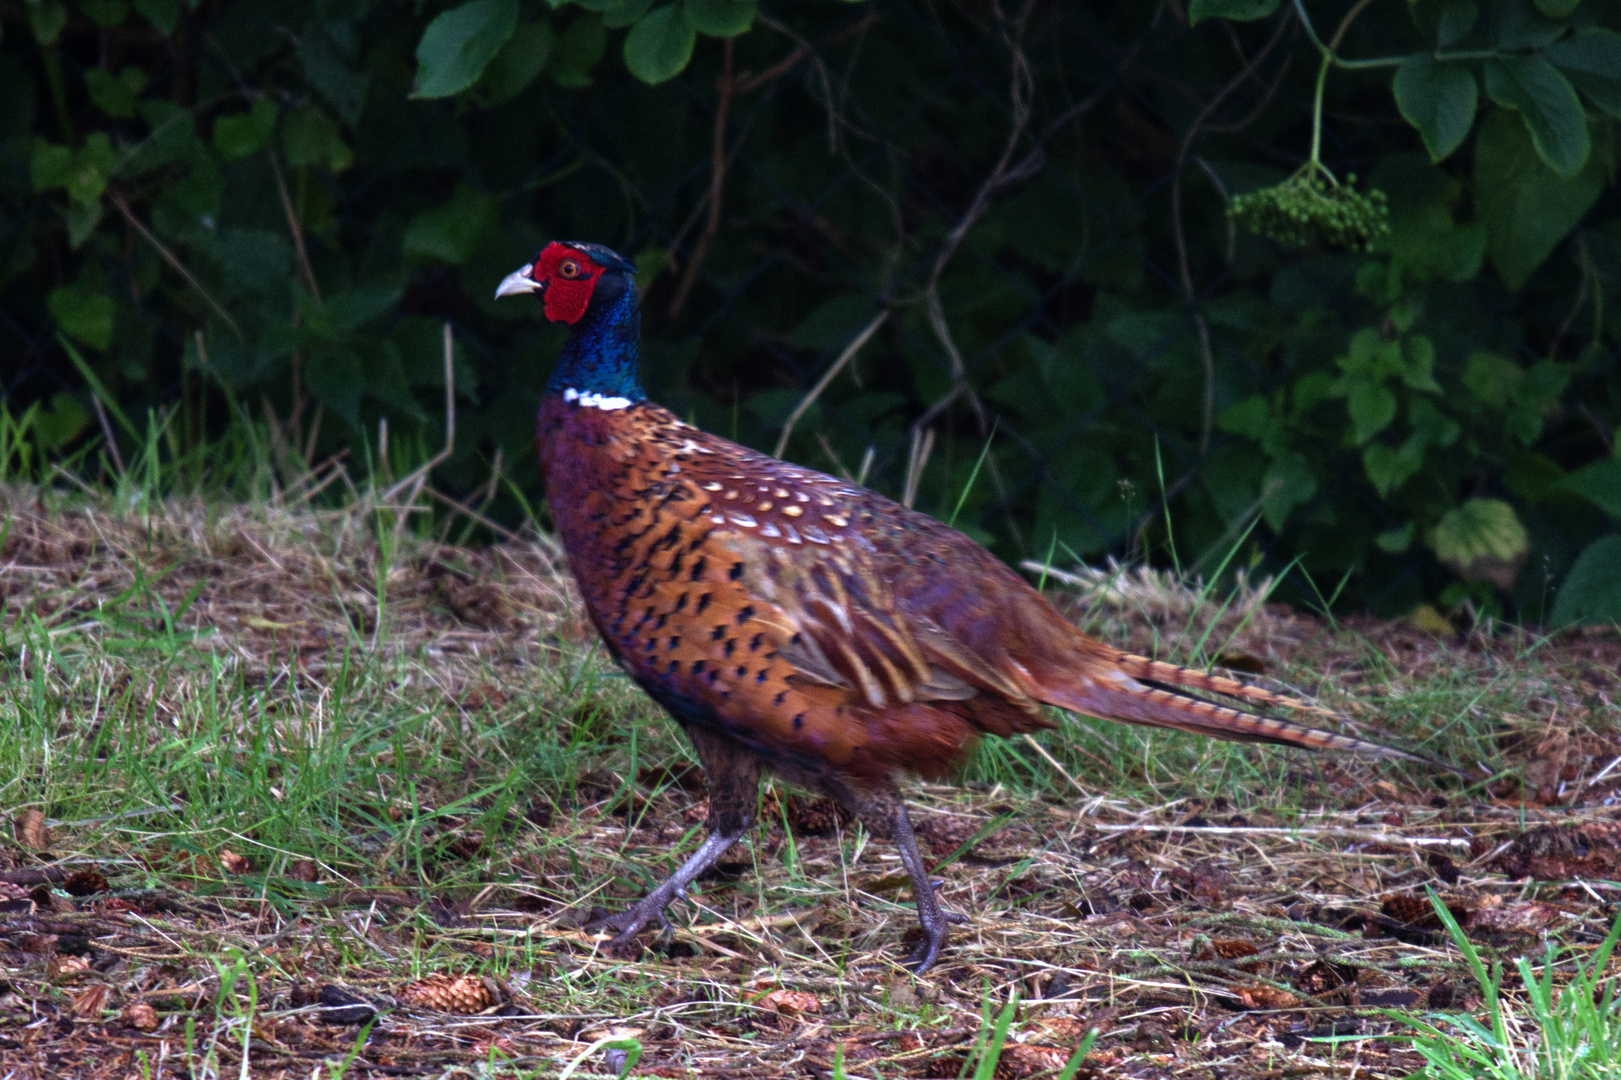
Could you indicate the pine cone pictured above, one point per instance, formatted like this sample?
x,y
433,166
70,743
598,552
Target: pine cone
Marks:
x,y
464,994
85,883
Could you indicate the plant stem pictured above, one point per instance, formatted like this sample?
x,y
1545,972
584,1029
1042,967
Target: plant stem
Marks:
x,y
1330,51
1315,160
1330,59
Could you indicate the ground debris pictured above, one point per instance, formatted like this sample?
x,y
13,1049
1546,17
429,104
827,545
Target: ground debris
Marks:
x,y
480,770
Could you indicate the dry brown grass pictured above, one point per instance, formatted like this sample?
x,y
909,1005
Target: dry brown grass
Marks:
x,y
1211,910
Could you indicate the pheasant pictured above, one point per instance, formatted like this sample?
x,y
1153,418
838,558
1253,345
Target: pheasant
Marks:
x,y
794,622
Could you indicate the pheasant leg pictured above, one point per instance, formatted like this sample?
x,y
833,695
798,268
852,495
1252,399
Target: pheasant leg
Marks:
x,y
733,772
883,812
934,920
651,907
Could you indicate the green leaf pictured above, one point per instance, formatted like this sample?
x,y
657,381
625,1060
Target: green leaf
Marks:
x,y
1527,207
1237,10
173,135
81,220
309,138
1520,26
452,231
63,422
255,260
241,134
1389,467
47,19
659,45
1457,18
86,176
1249,417
1591,59
1395,541
1532,476
162,14
345,311
719,18
1372,408
1425,242
1438,99
86,317
335,377
458,44
1558,9
1492,378
1591,593
1598,483
1430,425
578,51
623,13
1288,482
326,70
1482,540
115,96
1418,357
517,64
106,14
1543,383
1548,104
50,165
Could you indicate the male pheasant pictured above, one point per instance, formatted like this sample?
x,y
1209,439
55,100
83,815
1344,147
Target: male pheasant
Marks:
x,y
793,621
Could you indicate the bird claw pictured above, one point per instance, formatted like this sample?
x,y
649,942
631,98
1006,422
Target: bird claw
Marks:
x,y
627,925
926,952
935,932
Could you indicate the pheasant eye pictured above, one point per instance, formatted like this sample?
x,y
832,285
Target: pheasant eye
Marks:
x,y
569,268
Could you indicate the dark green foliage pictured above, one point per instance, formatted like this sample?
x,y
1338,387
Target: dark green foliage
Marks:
x,y
261,216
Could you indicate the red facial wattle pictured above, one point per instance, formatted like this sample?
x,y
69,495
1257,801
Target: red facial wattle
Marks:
x,y
570,277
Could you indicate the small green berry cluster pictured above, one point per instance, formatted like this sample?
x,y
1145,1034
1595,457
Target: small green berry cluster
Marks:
x,y
1311,208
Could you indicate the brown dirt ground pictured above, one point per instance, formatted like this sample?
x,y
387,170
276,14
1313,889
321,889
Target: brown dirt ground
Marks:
x,y
1203,939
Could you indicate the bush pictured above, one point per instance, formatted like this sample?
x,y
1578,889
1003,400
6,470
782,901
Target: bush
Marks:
x,y
1127,253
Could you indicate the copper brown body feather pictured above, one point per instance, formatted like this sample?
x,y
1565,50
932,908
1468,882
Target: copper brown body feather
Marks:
x,y
823,624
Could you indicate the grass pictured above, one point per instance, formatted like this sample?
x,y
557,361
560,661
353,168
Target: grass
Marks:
x,y
1569,1033
319,754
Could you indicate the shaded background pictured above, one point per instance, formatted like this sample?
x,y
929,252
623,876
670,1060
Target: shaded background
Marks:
x,y
250,234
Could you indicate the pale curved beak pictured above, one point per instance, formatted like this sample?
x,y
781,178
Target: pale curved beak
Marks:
x,y
519,281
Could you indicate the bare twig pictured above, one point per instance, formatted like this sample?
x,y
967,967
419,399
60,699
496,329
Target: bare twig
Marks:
x,y
1365,836
462,508
1179,235
171,258
1002,174
295,228
107,432
416,477
717,184
922,447
828,376
1042,750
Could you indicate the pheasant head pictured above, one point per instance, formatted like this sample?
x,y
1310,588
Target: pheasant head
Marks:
x,y
593,291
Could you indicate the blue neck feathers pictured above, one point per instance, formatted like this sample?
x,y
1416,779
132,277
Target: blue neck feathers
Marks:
x,y
601,353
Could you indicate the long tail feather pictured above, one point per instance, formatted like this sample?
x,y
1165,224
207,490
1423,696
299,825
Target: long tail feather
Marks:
x,y
1156,672
1136,692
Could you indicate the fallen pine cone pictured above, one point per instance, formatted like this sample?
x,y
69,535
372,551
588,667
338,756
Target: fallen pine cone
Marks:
x,y
1030,1059
85,883
464,994
791,1002
62,967
140,1016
